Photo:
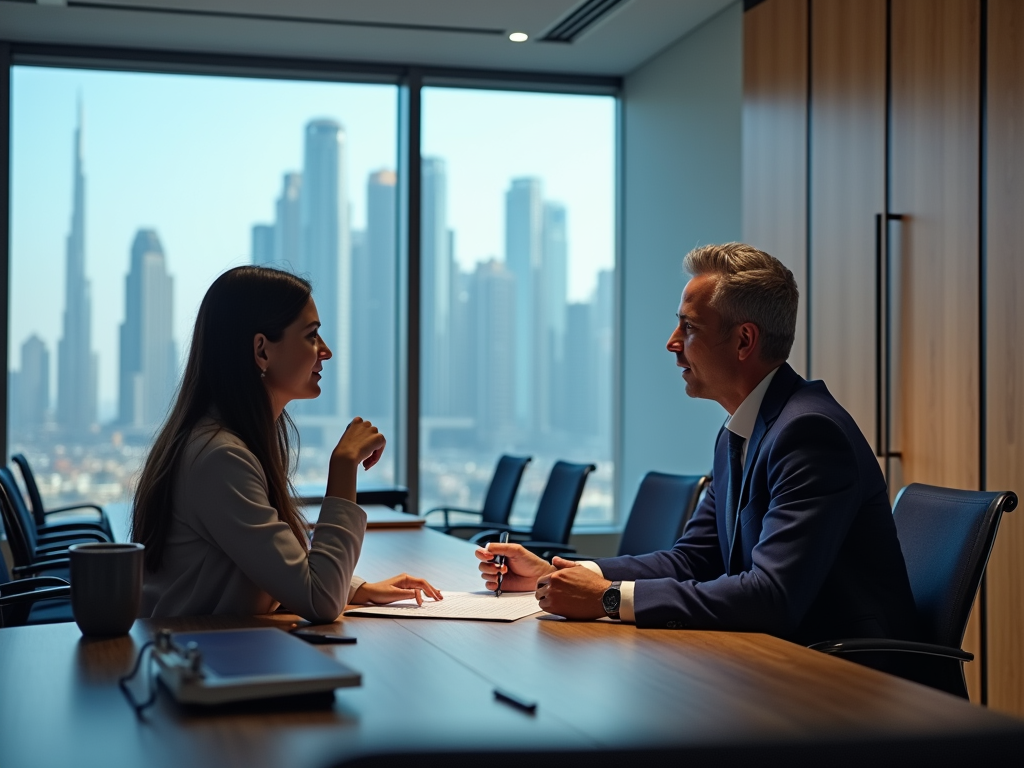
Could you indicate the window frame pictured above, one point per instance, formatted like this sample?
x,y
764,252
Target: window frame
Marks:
x,y
410,80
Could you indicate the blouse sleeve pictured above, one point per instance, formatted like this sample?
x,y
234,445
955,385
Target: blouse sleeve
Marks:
x,y
228,497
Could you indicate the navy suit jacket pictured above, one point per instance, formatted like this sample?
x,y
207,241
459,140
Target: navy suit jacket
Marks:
x,y
817,556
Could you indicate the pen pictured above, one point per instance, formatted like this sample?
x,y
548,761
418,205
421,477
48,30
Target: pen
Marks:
x,y
530,707
500,561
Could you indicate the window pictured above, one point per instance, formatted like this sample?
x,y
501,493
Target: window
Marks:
x,y
517,287
130,193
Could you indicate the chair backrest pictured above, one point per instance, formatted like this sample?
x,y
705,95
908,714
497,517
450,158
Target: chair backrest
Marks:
x,y
558,503
502,490
946,536
34,497
22,548
662,507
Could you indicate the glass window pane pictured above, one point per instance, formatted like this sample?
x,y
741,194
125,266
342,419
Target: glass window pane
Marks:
x,y
130,193
517,287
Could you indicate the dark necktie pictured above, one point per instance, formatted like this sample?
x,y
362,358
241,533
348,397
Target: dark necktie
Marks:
x,y
732,498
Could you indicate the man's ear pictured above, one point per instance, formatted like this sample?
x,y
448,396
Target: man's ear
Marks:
x,y
259,351
749,340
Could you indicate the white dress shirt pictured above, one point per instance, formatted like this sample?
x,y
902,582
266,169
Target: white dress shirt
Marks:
x,y
741,423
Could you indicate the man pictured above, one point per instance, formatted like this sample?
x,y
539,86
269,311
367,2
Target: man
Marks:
x,y
795,535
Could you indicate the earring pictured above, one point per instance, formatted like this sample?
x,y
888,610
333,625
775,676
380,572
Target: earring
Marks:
x,y
263,374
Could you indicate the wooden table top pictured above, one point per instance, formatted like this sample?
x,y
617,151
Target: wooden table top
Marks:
x,y
428,685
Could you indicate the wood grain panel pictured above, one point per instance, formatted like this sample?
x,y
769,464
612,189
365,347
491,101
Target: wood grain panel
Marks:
x,y
1005,356
775,142
847,180
934,182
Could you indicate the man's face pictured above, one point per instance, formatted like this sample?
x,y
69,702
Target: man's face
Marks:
x,y
700,343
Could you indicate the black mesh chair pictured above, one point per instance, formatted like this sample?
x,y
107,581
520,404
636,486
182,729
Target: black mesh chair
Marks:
x,y
946,536
555,512
25,562
501,493
91,514
46,539
40,600
661,509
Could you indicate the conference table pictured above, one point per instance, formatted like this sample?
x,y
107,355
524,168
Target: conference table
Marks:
x,y
606,694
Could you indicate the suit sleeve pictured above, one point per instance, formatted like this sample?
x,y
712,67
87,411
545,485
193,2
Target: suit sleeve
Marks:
x,y
814,494
697,555
230,500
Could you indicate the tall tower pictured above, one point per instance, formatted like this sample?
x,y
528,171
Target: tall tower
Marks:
x,y
494,301
288,226
553,285
76,362
373,348
148,366
435,289
30,399
524,224
263,237
325,258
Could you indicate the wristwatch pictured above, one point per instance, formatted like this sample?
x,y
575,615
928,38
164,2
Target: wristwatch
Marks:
x,y
612,599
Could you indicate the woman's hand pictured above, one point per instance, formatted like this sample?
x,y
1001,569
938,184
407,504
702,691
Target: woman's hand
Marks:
x,y
362,444
522,568
400,587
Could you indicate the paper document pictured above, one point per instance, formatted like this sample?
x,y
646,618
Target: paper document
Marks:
x,y
479,606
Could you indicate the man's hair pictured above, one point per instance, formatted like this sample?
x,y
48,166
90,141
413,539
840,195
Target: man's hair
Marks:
x,y
752,287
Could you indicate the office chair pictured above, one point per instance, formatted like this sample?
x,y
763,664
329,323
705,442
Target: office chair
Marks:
x,y
501,493
40,513
28,559
661,509
40,600
555,512
946,536
52,536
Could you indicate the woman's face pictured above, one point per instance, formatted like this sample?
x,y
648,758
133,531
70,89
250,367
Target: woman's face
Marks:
x,y
292,364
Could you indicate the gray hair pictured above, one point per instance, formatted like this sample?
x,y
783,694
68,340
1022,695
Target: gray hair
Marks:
x,y
752,287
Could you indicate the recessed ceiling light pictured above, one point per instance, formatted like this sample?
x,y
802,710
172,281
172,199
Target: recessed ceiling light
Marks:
x,y
519,37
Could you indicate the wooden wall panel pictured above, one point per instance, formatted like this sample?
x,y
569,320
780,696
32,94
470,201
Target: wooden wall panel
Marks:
x,y
934,181
847,189
1005,352
775,142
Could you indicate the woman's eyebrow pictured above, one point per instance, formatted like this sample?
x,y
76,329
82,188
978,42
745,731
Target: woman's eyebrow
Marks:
x,y
314,324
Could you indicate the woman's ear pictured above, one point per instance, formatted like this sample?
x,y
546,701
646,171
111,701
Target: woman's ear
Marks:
x,y
259,350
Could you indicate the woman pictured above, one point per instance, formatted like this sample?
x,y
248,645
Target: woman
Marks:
x,y
214,504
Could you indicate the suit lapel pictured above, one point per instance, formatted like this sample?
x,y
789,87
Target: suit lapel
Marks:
x,y
778,394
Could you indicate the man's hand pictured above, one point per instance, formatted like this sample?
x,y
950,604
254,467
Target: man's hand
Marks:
x,y
522,568
572,591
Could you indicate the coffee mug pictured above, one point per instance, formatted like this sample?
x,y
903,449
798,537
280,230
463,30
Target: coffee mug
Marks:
x,y
106,586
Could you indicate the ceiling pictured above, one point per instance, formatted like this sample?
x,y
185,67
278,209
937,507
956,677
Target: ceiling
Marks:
x,y
441,33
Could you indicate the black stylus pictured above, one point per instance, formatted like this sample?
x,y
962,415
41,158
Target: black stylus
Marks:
x,y
530,707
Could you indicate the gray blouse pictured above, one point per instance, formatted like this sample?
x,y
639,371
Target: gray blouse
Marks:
x,y
228,552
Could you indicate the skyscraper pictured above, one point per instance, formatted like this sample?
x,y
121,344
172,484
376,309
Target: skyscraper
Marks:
x,y
494,303
288,225
435,289
553,288
325,258
30,391
263,242
148,365
524,224
76,362
373,302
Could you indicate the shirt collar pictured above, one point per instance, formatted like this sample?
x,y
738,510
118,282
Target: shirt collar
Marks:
x,y
742,421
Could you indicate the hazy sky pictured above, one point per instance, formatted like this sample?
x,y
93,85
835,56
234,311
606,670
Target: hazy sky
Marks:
x,y
200,160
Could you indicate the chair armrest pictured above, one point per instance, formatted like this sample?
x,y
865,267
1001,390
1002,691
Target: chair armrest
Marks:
x,y
547,549
880,645
27,585
71,537
46,593
446,510
494,533
45,564
73,507
387,497
73,525
71,532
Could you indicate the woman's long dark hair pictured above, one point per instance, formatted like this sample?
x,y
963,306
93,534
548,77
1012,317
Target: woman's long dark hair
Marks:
x,y
222,378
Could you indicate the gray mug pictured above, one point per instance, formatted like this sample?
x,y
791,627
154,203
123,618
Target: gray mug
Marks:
x,y
106,586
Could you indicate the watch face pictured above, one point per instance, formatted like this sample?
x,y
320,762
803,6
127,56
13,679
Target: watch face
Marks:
x,y
611,600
